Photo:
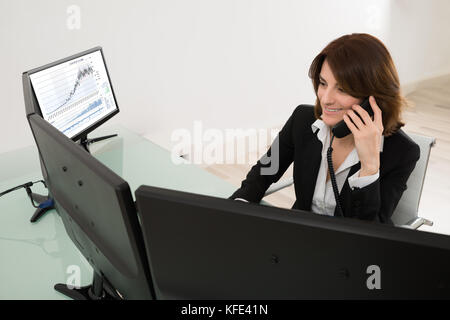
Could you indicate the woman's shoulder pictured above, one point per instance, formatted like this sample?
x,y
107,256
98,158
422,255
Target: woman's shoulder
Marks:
x,y
304,114
402,144
304,109
298,125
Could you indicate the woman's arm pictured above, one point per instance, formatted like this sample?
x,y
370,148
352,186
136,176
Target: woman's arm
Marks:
x,y
270,167
378,200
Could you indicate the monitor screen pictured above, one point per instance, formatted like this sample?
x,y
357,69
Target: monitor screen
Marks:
x,y
75,94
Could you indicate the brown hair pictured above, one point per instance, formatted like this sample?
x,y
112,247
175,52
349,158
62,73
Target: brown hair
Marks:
x,y
362,67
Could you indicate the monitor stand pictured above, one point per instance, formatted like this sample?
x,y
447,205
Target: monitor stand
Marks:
x,y
40,211
85,142
100,289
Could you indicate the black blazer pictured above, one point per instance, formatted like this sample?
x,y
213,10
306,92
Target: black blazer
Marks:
x,y
298,144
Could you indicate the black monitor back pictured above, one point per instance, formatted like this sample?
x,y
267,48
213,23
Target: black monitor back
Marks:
x,y
202,247
31,103
31,107
97,210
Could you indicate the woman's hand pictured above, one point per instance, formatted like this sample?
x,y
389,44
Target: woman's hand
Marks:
x,y
367,135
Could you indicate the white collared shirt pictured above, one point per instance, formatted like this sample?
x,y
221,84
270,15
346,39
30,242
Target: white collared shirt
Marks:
x,y
323,201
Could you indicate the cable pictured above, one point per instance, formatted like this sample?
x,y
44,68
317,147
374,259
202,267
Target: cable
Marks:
x,y
333,178
27,186
30,195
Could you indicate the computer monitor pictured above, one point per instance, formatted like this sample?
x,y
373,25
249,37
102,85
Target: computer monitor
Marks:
x,y
98,212
202,247
74,94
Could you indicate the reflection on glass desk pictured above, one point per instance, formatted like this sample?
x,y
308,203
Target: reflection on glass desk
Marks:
x,y
35,257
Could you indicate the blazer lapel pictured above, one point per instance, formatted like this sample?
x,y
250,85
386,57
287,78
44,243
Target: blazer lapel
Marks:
x,y
344,196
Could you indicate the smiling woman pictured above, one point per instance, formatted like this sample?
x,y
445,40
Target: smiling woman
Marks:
x,y
372,164
333,99
357,66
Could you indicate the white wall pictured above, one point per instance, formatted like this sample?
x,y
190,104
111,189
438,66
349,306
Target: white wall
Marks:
x,y
229,63
419,38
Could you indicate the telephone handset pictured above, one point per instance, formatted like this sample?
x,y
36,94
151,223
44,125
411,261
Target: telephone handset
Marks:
x,y
341,130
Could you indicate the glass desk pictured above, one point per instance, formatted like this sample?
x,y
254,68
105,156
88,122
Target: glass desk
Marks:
x,y
34,257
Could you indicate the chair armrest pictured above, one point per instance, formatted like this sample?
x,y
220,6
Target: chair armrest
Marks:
x,y
416,223
279,185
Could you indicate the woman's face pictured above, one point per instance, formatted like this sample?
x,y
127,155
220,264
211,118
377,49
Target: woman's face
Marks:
x,y
333,100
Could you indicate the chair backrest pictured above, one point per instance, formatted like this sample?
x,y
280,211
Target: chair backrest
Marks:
x,y
408,206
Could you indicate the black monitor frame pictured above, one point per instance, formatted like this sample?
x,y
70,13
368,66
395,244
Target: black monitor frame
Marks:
x,y
99,215
32,104
202,247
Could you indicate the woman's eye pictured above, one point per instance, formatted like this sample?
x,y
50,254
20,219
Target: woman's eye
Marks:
x,y
341,90
322,83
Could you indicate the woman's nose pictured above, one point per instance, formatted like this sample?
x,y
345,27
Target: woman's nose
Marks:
x,y
328,97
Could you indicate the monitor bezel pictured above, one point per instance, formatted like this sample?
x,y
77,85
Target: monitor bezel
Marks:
x,y
37,109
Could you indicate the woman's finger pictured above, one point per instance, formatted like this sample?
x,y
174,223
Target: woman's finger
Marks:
x,y
377,114
356,120
363,113
350,124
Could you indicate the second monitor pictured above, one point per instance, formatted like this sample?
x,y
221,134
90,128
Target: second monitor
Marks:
x,y
74,94
202,247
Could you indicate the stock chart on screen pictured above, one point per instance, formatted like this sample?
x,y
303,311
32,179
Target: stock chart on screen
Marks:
x,y
75,94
